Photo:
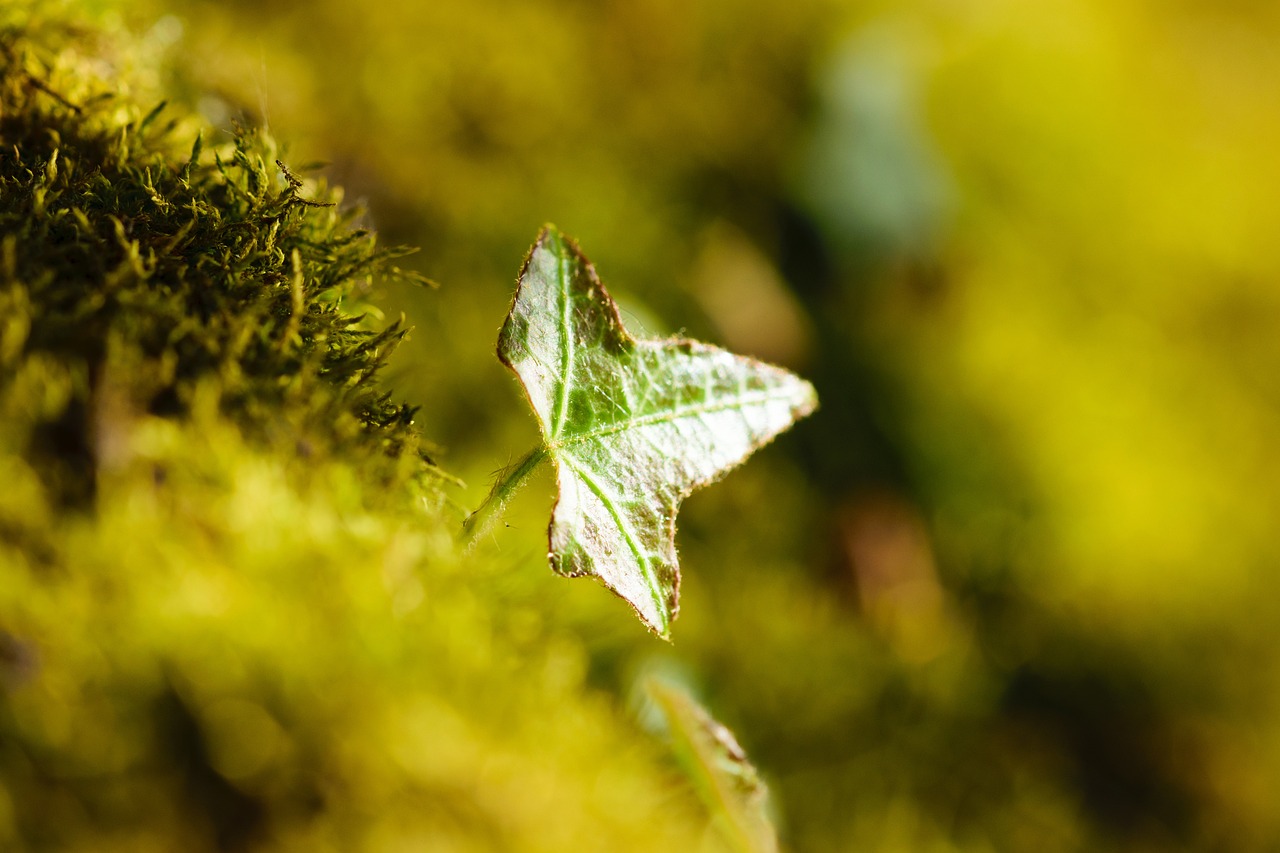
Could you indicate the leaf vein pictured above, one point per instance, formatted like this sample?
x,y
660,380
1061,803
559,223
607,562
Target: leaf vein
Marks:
x,y
628,535
566,348
673,415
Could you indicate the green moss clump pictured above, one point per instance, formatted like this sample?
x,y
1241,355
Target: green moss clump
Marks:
x,y
214,267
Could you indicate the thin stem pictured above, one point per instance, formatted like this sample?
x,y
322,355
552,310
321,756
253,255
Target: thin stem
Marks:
x,y
480,520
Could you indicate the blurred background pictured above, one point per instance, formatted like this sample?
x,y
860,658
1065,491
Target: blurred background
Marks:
x,y
1015,585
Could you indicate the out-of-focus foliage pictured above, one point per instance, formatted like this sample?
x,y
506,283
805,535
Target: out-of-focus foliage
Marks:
x,y
724,777
1014,587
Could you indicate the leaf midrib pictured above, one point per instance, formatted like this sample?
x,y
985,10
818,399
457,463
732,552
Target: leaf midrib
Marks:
x,y
628,535
566,346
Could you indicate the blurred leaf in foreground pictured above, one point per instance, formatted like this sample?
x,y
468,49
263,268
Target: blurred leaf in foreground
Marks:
x,y
724,778
632,425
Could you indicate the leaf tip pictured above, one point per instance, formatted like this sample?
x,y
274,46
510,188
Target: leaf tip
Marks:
x,y
550,237
806,399
663,609
662,626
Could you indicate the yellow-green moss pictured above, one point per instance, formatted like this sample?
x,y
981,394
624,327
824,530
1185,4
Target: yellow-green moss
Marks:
x,y
214,264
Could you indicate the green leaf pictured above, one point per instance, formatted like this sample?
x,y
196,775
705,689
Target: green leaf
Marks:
x,y
632,425
718,767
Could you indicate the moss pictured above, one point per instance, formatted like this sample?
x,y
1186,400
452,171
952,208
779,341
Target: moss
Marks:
x,y
214,267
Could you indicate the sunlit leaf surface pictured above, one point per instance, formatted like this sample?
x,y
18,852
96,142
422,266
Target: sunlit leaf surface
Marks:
x,y
633,425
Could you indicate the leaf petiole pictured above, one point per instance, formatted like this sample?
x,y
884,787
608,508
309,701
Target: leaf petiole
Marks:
x,y
508,483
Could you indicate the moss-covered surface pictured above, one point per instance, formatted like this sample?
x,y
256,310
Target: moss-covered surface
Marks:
x,y
133,277
233,614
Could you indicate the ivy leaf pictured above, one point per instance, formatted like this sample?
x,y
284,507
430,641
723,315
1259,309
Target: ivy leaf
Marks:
x,y
722,775
633,426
